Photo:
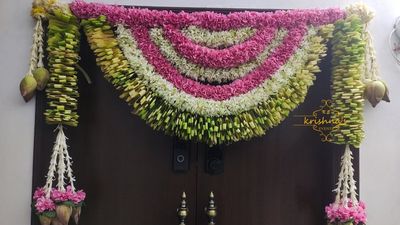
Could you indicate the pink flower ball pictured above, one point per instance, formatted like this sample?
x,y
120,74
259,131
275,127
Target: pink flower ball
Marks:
x,y
39,192
44,204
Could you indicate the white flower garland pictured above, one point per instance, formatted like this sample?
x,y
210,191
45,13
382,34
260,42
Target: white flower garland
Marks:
x,y
208,107
198,72
217,39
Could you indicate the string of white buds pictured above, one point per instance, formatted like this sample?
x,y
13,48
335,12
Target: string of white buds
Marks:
x,y
366,14
37,47
346,186
52,169
352,181
61,141
40,44
69,169
371,71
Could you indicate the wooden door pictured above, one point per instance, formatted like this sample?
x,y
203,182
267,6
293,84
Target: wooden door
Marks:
x,y
283,178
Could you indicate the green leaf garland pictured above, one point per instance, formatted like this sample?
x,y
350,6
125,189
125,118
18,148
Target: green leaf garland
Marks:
x,y
62,48
348,49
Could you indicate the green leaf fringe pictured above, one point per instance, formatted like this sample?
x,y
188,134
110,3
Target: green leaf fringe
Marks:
x,y
347,88
62,47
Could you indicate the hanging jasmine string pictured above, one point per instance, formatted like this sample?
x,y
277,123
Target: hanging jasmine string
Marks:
x,y
37,76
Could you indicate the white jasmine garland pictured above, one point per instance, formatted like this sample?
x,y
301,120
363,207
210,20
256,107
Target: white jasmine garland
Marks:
x,y
198,72
208,107
217,39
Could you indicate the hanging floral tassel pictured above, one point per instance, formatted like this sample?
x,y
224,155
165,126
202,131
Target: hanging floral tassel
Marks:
x,y
375,88
57,205
37,76
346,210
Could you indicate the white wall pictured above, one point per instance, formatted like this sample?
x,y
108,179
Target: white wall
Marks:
x,y
380,156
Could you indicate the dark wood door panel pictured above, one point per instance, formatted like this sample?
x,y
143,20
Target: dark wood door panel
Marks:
x,y
266,184
282,178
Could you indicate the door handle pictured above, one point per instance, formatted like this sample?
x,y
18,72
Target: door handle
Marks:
x,y
211,209
183,210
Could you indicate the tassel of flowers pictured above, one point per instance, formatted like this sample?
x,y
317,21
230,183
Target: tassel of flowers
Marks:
x,y
57,205
37,76
346,210
375,88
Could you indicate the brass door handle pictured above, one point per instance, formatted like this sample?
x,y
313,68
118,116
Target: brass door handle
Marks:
x,y
211,210
183,210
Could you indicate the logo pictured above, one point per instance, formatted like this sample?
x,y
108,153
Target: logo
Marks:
x,y
321,120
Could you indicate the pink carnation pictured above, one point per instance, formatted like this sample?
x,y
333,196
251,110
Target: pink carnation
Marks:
x,y
39,192
75,197
44,204
79,196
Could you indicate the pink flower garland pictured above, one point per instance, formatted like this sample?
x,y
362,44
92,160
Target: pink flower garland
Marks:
x,y
219,92
341,213
220,58
208,20
68,195
43,204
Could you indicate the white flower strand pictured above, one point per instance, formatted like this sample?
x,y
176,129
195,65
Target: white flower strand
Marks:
x,y
338,188
40,44
208,107
346,184
366,14
198,72
62,145
216,39
371,71
37,42
345,189
352,181
69,169
52,168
